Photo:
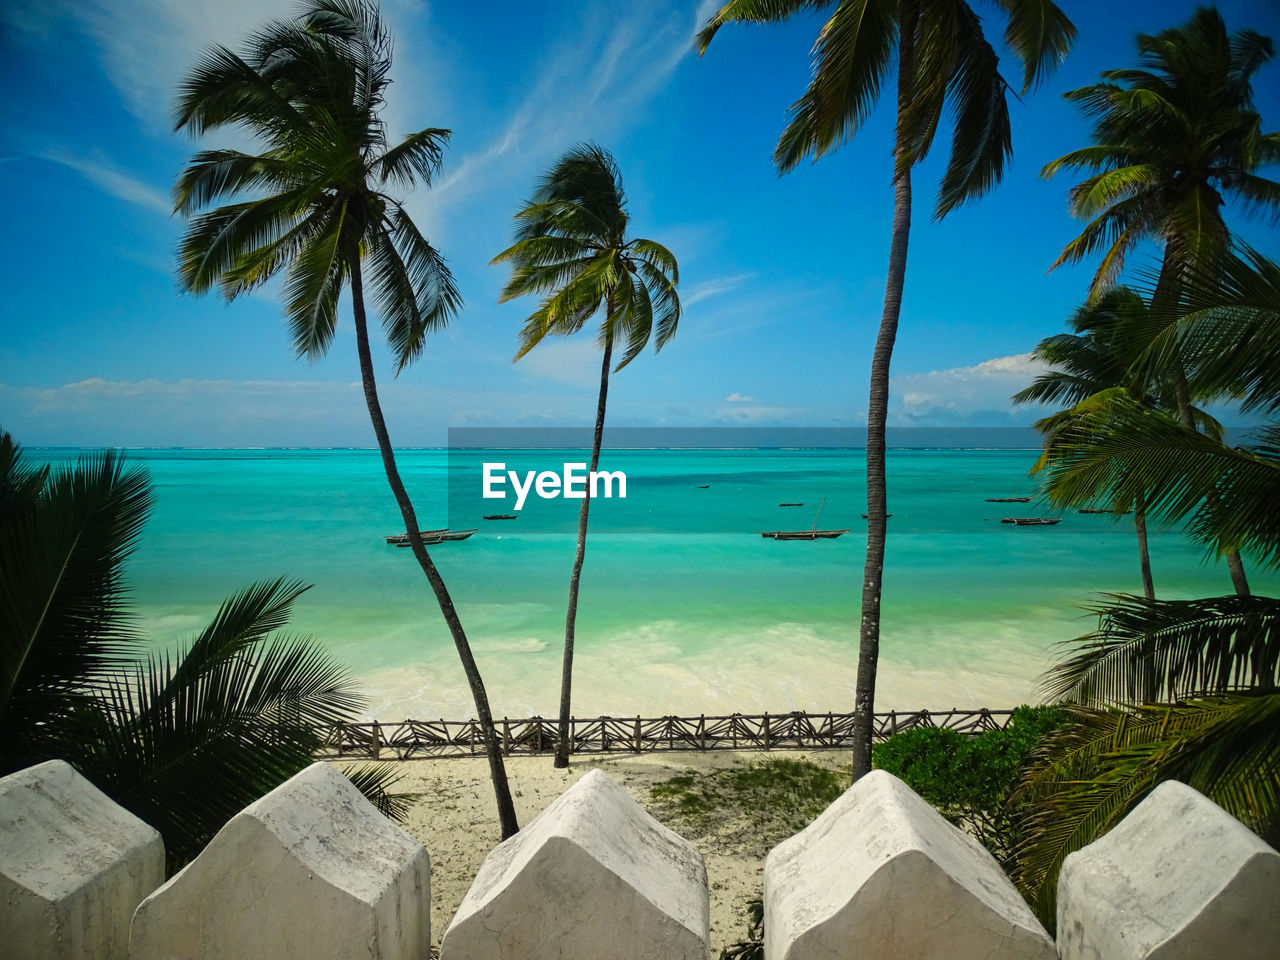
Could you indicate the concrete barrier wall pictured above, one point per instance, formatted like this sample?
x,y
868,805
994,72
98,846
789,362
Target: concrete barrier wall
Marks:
x,y
312,871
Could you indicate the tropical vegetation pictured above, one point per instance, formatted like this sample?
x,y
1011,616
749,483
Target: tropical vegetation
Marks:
x,y
309,90
571,248
1173,140
943,59
1181,689
185,738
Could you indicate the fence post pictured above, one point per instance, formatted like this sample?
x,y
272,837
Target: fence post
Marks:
x,y
702,731
637,733
767,743
506,737
377,741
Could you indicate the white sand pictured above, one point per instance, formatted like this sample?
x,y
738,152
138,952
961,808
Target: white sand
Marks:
x,y
455,819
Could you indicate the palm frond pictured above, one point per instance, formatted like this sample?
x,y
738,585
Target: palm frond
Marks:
x,y
1147,650
314,283
851,59
753,11
982,140
417,157
1093,772
64,628
1039,34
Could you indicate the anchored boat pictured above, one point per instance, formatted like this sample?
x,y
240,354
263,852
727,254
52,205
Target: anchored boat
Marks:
x,y
1032,521
814,534
1008,499
432,536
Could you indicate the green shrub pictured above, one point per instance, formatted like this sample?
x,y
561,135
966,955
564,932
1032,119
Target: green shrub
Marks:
x,y
971,779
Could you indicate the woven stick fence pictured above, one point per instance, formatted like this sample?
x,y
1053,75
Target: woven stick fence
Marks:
x,y
778,731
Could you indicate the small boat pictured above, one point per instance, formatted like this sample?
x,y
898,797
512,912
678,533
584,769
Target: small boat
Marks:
x,y
1008,499
703,486
1117,513
791,504
500,516
424,534
1032,521
814,534
430,537
802,534
867,515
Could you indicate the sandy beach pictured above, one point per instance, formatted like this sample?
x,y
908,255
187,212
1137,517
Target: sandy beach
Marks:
x,y
453,816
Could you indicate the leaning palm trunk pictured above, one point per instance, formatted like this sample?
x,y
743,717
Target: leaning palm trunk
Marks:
x,y
1144,556
563,743
877,414
493,749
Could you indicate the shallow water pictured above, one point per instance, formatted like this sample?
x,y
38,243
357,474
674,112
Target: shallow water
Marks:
x,y
709,621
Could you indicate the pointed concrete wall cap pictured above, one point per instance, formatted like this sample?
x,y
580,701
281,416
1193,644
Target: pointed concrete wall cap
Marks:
x,y
1178,878
311,871
593,877
881,875
73,866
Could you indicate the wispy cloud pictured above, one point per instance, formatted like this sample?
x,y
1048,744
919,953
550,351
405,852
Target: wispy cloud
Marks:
x,y
99,171
712,288
961,394
739,398
594,79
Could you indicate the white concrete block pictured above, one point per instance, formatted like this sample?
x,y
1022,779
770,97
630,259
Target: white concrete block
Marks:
x,y
73,866
881,875
1178,878
311,871
593,877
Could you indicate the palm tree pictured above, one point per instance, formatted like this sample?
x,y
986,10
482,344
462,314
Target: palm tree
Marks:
x,y
1091,363
186,740
942,57
310,90
1172,140
572,248
1183,689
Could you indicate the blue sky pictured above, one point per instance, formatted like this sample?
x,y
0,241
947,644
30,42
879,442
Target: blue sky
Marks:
x,y
781,278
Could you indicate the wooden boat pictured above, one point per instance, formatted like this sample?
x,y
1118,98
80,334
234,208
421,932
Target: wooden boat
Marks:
x,y
1008,499
791,504
433,536
703,486
814,534
1032,521
802,534
867,515
424,534
500,516
1117,513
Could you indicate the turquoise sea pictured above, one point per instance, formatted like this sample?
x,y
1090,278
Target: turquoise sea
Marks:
x,y
714,620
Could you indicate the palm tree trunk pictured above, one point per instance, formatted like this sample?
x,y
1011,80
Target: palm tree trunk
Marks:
x,y
877,413
571,616
1144,557
493,748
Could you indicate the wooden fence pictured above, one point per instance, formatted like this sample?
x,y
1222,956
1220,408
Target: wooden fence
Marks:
x,y
779,731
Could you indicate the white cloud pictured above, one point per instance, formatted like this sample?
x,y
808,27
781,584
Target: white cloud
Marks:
x,y
959,393
102,174
712,288
739,398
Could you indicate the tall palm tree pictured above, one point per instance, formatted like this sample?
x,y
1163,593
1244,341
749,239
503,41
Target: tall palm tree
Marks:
x,y
183,740
572,248
1088,365
310,90
1172,141
942,57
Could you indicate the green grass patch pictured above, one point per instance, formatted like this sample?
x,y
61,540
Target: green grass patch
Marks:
x,y
748,809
